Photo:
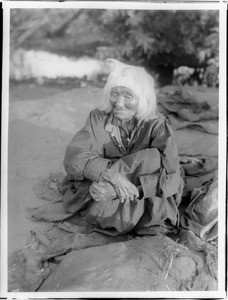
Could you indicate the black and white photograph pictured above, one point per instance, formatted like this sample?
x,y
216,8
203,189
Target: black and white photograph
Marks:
x,y
113,156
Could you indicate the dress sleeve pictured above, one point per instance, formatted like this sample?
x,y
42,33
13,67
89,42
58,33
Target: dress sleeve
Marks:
x,y
165,182
84,155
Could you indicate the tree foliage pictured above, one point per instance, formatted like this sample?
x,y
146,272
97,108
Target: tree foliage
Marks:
x,y
169,37
163,39
58,30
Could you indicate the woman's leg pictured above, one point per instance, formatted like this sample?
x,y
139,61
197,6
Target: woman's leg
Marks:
x,y
114,217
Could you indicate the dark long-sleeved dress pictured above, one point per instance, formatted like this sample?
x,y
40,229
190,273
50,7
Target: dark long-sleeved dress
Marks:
x,y
149,159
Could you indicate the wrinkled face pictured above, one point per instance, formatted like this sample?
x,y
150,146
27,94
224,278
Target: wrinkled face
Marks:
x,y
124,102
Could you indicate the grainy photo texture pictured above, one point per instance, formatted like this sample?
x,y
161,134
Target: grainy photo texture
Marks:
x,y
113,150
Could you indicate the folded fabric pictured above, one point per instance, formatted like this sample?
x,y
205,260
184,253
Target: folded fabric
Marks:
x,y
53,211
50,188
195,142
205,126
184,105
201,216
198,165
189,112
190,119
193,182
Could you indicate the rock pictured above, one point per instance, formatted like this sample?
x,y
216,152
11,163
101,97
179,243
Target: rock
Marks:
x,y
153,263
212,284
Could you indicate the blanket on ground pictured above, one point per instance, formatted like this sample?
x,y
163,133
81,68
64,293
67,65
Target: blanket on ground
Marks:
x,y
201,215
190,119
186,106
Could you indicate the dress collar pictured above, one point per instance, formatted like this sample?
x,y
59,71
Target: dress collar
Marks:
x,y
113,127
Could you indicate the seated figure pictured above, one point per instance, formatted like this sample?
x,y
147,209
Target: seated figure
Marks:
x,y
122,166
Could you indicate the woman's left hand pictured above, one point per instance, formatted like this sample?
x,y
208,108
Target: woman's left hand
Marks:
x,y
102,191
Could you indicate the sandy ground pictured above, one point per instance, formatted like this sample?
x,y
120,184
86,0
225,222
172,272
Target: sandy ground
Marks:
x,y
42,121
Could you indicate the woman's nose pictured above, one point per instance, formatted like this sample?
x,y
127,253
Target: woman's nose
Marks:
x,y
120,101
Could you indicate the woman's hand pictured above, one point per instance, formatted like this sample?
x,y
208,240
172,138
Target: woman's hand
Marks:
x,y
113,185
125,190
102,191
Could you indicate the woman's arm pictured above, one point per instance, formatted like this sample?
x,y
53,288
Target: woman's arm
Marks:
x,y
84,155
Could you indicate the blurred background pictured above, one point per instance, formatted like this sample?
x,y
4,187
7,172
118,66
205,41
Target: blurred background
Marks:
x,y
57,72
50,45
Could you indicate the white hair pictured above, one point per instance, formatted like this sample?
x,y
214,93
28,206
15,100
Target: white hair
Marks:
x,y
137,80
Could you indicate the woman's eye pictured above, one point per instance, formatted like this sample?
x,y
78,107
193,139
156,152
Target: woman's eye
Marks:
x,y
128,97
115,95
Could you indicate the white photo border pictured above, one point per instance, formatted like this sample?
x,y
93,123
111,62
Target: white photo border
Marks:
x,y
222,8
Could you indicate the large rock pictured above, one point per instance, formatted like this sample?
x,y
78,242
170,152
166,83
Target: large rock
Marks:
x,y
145,264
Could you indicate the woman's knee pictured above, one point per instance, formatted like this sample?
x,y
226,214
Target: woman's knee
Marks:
x,y
144,161
148,161
149,153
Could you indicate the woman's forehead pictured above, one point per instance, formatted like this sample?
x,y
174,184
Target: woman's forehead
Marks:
x,y
122,89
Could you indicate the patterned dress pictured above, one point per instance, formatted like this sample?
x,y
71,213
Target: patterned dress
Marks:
x,y
146,155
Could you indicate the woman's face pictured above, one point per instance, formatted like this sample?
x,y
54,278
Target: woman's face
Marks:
x,y
124,102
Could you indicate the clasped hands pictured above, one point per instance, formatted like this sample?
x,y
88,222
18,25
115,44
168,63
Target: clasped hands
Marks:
x,y
113,185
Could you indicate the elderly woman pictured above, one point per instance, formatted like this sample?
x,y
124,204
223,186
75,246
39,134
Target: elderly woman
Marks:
x,y
123,165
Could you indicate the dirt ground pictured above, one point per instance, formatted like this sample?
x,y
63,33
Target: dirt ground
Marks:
x,y
42,121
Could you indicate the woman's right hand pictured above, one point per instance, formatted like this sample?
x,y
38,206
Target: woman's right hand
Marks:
x,y
125,190
102,191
